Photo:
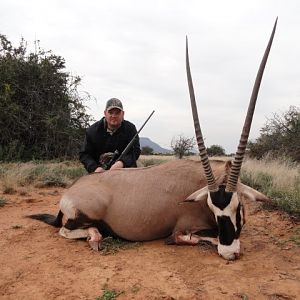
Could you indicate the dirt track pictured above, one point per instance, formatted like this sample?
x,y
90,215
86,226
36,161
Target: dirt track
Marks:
x,y
38,264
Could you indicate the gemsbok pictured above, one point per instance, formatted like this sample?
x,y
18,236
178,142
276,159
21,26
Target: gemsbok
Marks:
x,y
183,201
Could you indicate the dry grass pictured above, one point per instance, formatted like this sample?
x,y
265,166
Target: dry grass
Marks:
x,y
159,157
284,174
40,174
149,160
146,160
279,179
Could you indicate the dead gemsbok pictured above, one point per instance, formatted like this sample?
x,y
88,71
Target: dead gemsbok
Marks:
x,y
183,201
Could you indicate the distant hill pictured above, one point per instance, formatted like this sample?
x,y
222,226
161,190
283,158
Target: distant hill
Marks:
x,y
144,141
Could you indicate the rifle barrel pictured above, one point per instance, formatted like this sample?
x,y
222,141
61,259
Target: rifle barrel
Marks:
x,y
125,151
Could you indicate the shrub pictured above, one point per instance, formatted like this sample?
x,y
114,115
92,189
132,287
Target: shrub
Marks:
x,y
3,201
41,112
279,136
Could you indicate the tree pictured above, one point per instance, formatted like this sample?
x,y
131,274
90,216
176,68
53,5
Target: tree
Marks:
x,y
215,150
146,150
279,136
42,115
182,145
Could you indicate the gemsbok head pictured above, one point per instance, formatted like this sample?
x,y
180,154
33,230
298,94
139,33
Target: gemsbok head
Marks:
x,y
223,200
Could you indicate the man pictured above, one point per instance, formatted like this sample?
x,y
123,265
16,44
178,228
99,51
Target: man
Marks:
x,y
111,133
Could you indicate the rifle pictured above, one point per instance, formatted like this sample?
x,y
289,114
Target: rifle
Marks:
x,y
127,148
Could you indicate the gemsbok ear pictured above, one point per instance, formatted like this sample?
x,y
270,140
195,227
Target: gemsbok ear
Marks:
x,y
252,194
228,165
199,195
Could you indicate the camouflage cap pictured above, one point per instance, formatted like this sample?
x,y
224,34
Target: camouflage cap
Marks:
x,y
113,103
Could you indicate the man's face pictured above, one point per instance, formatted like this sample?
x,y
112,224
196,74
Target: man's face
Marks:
x,y
114,117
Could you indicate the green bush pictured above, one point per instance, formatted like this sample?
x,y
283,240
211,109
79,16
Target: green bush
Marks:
x,y
42,115
3,201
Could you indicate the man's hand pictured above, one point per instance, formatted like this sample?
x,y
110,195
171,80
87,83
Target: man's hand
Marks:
x,y
99,170
117,165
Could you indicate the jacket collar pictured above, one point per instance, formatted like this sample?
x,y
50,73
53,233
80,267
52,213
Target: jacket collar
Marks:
x,y
108,130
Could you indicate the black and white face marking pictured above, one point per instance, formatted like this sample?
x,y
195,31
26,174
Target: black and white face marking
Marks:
x,y
228,212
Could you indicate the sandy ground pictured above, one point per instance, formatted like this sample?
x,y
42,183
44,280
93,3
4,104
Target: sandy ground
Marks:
x,y
36,263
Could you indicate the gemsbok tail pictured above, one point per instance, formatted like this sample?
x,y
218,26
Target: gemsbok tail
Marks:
x,y
55,221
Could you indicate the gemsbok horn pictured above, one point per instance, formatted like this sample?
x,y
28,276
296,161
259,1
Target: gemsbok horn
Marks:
x,y
237,162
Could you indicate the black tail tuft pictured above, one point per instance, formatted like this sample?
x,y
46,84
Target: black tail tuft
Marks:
x,y
55,221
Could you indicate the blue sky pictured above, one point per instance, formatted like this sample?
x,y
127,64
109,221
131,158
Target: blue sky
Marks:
x,y
134,50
